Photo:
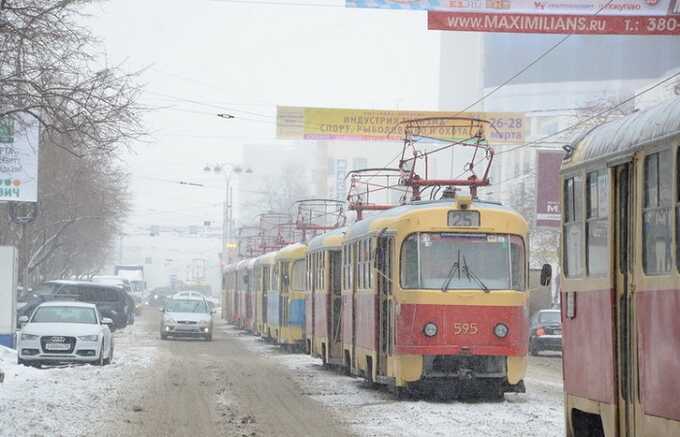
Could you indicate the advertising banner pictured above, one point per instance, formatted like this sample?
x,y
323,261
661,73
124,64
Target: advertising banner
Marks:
x,y
296,123
19,139
559,24
540,7
548,212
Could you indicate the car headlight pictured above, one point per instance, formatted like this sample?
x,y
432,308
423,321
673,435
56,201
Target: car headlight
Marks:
x,y
29,336
430,329
204,322
92,338
169,321
501,330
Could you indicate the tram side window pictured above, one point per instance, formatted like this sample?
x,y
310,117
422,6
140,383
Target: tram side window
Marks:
x,y
573,226
518,262
597,213
656,216
677,213
409,263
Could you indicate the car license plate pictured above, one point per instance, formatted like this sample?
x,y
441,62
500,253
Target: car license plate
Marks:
x,y
57,346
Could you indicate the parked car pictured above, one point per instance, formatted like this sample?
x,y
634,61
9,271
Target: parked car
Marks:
x,y
44,292
127,288
111,300
545,332
65,332
187,317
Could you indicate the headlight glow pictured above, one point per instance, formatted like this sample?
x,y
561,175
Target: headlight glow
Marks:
x,y
501,330
29,336
430,329
92,338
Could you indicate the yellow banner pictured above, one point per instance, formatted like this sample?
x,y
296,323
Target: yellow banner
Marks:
x,y
296,123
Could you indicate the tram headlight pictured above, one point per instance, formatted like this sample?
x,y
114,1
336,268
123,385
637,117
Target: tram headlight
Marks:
x,y
430,329
501,330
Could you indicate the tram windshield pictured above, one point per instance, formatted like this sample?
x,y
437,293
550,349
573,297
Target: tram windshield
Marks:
x,y
454,261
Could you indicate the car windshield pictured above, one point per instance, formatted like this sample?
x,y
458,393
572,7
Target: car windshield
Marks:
x,y
64,314
186,306
454,261
549,317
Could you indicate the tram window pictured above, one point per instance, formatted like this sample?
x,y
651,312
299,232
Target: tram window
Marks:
x,y
461,261
409,262
656,216
518,262
597,213
677,213
573,226
297,282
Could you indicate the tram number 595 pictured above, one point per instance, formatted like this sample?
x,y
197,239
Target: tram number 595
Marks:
x,y
465,328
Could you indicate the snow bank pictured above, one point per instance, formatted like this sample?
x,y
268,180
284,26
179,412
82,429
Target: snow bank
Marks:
x,y
374,412
70,400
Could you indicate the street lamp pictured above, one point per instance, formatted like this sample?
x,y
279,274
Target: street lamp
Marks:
x,y
227,169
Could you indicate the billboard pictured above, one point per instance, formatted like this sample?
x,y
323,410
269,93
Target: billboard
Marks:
x,y
19,140
558,24
301,123
548,211
540,7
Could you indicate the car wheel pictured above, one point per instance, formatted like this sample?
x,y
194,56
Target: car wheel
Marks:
x,y
533,350
110,358
164,336
208,337
100,361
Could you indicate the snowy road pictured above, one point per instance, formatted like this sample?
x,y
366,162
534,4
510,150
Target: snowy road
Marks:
x,y
239,386
370,412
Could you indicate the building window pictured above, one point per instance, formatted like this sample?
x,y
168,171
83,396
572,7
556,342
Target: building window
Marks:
x,y
597,223
573,226
656,216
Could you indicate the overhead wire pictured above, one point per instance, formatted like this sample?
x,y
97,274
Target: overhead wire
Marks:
x,y
598,114
518,73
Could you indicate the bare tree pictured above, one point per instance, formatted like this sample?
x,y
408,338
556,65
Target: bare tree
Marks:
x,y
49,71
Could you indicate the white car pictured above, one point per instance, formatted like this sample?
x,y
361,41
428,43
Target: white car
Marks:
x,y
187,317
65,332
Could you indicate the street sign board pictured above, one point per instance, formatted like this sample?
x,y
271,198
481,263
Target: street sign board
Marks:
x,y
19,141
548,211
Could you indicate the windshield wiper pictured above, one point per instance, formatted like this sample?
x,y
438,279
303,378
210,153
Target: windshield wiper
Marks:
x,y
470,274
455,267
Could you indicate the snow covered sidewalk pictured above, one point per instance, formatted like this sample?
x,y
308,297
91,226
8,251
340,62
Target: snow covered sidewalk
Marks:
x,y
373,412
73,400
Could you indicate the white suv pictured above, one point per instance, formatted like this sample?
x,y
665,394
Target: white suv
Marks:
x,y
187,317
65,332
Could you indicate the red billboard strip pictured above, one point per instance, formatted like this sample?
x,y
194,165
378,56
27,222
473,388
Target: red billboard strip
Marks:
x,y
562,24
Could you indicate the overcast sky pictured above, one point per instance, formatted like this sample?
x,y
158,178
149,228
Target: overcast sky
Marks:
x,y
244,59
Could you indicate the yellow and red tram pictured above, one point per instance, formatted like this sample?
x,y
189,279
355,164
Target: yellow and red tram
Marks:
x,y
323,300
264,270
290,296
435,292
620,282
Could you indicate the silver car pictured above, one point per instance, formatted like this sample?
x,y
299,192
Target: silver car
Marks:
x,y
187,317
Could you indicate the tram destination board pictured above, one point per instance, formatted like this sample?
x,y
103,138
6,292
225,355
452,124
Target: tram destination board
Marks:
x,y
463,218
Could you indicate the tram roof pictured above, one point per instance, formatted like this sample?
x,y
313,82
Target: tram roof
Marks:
x,y
387,216
628,134
329,239
295,250
267,258
243,264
